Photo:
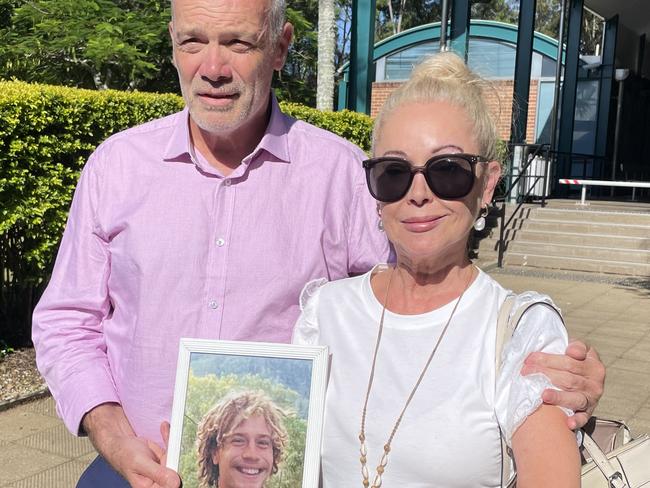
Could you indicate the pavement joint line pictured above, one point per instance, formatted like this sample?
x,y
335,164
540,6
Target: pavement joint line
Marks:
x,y
30,397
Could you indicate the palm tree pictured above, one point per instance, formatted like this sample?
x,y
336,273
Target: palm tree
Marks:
x,y
326,49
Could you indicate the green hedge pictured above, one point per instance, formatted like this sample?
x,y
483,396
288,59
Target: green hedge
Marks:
x,y
352,126
46,134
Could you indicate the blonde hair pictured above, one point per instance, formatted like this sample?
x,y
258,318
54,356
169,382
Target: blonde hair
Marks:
x,y
224,417
446,77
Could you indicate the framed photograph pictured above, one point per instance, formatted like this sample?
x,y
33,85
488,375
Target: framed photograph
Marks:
x,y
251,412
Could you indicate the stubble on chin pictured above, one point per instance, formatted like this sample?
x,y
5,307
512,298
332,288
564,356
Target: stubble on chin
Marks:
x,y
216,119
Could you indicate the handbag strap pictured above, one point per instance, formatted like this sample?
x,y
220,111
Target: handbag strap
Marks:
x,y
506,326
614,476
503,332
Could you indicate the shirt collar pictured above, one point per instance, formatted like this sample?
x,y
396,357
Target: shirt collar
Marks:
x,y
275,139
276,136
179,144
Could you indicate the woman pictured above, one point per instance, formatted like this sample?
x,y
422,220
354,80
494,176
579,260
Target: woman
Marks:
x,y
411,397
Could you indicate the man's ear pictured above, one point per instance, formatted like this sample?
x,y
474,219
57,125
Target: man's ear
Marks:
x,y
170,28
282,47
215,457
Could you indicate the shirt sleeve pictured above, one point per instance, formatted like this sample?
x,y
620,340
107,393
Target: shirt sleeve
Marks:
x,y
367,244
517,396
67,325
307,330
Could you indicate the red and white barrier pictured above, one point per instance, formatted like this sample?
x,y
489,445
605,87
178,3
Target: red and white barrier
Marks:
x,y
629,184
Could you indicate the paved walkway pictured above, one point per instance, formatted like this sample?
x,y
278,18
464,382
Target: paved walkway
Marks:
x,y
36,451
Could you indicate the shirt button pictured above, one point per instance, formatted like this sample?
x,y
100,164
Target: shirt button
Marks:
x,y
227,182
212,304
220,242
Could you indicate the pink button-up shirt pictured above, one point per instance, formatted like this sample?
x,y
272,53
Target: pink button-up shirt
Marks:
x,y
159,245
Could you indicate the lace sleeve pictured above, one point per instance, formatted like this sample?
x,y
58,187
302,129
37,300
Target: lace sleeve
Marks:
x,y
517,396
307,330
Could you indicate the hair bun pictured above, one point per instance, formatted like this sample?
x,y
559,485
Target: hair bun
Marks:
x,y
445,76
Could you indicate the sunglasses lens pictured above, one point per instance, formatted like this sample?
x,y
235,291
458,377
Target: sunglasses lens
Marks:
x,y
389,180
450,177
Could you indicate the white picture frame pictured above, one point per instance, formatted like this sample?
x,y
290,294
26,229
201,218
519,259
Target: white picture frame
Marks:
x,y
211,372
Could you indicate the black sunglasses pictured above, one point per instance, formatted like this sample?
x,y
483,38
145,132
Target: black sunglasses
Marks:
x,y
450,176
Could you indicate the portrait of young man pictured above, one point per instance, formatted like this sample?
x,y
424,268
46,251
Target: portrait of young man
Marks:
x,y
240,442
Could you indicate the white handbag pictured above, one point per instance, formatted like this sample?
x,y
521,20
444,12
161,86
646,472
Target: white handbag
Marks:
x,y
611,458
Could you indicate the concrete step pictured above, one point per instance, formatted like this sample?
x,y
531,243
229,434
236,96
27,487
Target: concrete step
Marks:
x,y
576,239
640,256
592,216
609,219
577,264
606,205
603,238
576,227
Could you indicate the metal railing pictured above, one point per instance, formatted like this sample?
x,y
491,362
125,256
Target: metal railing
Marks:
x,y
523,188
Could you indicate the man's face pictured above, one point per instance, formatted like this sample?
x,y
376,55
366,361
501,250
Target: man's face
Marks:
x,y
225,59
245,457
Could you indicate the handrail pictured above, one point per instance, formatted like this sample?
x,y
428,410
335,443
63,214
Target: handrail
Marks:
x,y
522,199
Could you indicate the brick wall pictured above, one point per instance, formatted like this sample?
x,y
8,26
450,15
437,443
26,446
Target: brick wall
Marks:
x,y
499,101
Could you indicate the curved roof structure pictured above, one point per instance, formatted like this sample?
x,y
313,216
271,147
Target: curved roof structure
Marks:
x,y
485,29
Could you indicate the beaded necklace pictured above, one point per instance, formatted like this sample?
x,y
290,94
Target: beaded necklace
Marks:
x,y
383,462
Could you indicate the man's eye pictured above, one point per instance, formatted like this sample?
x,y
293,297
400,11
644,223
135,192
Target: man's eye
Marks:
x,y
238,45
264,443
191,44
237,441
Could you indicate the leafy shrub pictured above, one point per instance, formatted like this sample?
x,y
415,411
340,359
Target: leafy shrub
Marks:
x,y
5,350
46,134
353,126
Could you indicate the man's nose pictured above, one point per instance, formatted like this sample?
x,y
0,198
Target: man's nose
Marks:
x,y
216,64
251,451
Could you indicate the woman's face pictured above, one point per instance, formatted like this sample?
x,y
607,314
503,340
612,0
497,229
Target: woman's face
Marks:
x,y
422,226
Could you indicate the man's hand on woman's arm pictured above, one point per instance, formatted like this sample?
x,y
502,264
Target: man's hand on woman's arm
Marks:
x,y
578,373
141,462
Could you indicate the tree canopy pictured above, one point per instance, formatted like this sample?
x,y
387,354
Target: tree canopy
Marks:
x,y
124,44
121,44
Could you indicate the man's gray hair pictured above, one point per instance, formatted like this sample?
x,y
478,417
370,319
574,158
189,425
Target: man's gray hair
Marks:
x,y
277,18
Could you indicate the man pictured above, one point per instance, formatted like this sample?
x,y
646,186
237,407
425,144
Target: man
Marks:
x,y
207,224
240,441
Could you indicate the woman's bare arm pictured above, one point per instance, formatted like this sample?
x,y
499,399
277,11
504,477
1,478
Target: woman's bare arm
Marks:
x,y
545,451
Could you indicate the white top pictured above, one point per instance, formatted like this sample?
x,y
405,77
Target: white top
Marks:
x,y
449,434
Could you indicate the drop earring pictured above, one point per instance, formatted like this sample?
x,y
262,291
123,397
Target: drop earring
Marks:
x,y
380,224
479,224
